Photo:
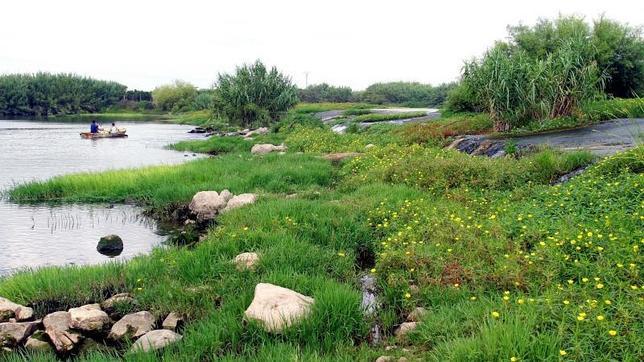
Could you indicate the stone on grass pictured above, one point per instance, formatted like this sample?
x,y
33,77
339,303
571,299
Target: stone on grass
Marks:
x,y
156,339
14,333
246,261
110,245
405,328
89,318
172,322
264,148
122,298
385,359
239,201
227,195
133,325
206,204
417,314
58,328
277,308
371,145
9,309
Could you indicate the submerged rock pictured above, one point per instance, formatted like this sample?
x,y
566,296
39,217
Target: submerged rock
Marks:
x,y
172,322
9,309
14,333
110,245
206,204
239,201
246,261
89,318
277,308
156,339
58,328
264,148
132,326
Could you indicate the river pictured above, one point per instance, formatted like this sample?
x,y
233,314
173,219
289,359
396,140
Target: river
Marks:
x,y
33,236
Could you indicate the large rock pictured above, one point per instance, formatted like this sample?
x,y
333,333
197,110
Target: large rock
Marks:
x,y
58,328
259,131
264,148
110,245
246,261
13,334
156,339
89,318
173,321
9,309
277,308
132,326
239,201
206,204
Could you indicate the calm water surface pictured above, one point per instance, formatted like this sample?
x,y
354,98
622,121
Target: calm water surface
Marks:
x,y
32,236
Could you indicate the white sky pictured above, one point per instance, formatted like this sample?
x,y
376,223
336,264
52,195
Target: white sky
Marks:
x,y
146,43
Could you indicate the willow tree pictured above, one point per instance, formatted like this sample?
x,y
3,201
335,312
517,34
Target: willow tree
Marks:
x,y
254,95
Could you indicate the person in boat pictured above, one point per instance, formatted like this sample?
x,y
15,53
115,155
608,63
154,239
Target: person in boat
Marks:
x,y
114,130
93,128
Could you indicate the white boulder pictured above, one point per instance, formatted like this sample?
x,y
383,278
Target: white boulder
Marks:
x,y
264,148
239,201
89,318
172,321
277,308
156,339
206,204
133,325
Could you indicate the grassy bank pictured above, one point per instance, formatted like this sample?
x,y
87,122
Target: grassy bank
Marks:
x,y
507,265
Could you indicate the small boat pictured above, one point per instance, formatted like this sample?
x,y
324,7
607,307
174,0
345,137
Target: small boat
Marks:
x,y
104,134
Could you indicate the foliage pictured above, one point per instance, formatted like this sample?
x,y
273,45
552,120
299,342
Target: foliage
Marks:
x,y
618,49
44,94
203,101
175,97
410,94
254,95
515,88
316,140
325,93
449,125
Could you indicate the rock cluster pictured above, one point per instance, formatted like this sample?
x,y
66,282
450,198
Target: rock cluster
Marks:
x,y
82,327
264,148
207,204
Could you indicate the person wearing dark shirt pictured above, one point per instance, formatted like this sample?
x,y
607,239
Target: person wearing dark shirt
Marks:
x,y
93,127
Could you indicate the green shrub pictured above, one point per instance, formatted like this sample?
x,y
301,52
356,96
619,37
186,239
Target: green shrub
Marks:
x,y
175,97
254,96
380,117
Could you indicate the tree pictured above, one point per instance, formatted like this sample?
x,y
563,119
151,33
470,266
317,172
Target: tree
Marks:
x,y
325,93
407,93
253,95
175,97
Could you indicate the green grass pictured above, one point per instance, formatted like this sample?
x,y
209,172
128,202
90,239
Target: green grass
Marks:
x,y
379,117
465,237
220,145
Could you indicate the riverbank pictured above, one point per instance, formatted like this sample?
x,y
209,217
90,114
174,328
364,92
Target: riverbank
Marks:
x,y
506,265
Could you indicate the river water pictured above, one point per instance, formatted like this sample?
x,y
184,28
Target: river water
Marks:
x,y
32,236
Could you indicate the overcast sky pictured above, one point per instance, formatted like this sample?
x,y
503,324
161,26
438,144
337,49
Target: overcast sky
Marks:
x,y
146,43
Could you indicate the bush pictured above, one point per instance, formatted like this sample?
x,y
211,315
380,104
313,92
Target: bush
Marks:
x,y
325,93
254,96
406,93
175,97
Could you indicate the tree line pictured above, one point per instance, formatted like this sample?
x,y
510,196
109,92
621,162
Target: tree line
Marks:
x,y
411,94
44,94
